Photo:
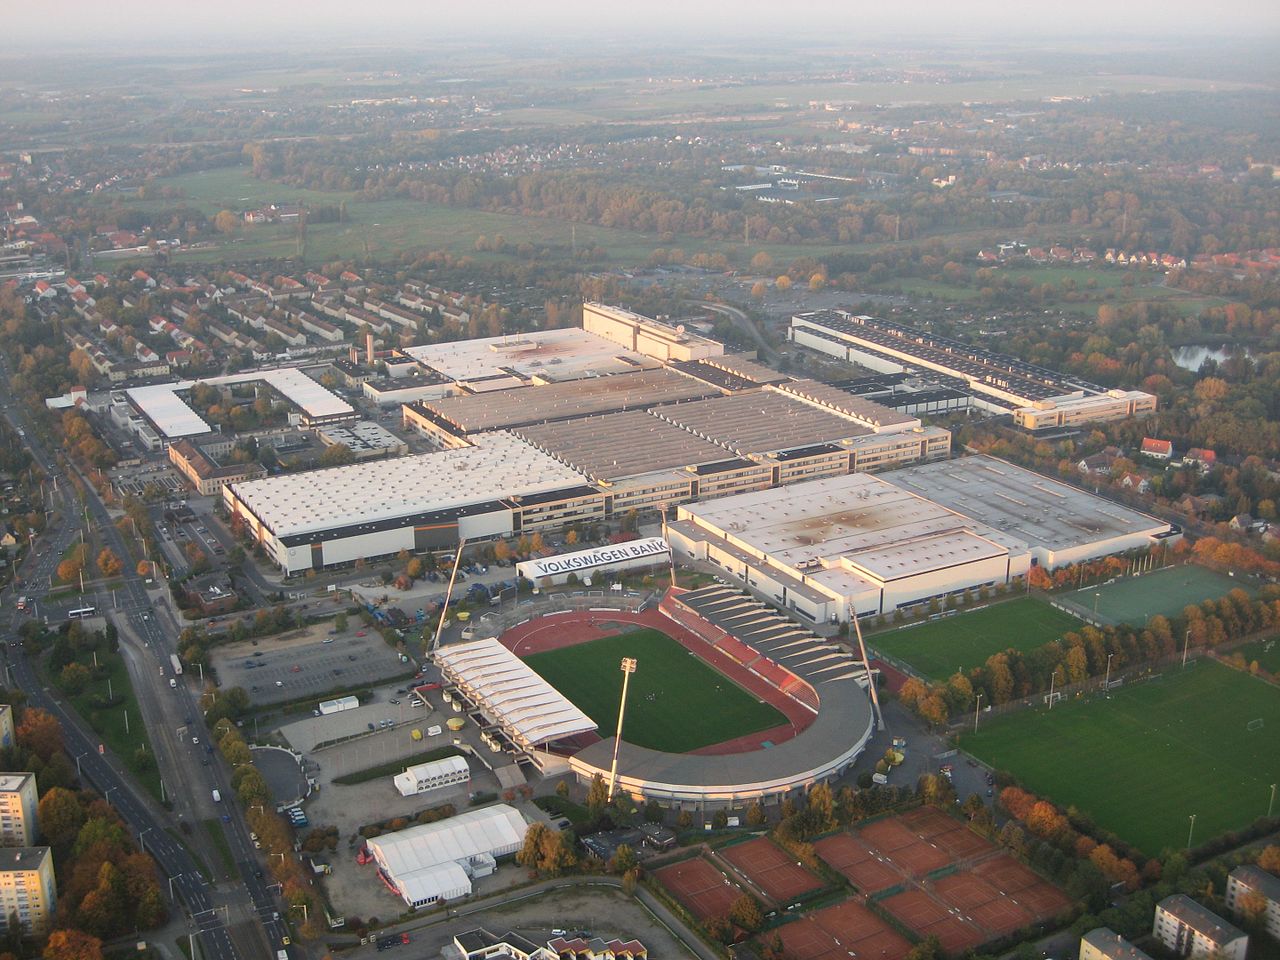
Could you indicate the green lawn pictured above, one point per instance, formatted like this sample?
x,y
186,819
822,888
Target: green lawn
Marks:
x,y
964,640
1266,652
109,722
675,702
1141,763
1134,600
219,838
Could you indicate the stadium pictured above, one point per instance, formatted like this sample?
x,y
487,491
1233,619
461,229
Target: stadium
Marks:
x,y
730,702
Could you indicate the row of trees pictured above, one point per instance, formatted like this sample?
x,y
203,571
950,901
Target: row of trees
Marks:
x,y
1079,655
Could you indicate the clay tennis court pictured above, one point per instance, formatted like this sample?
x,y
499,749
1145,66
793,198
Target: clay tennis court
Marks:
x,y
982,904
1019,882
855,861
929,918
952,836
839,932
912,854
771,869
701,888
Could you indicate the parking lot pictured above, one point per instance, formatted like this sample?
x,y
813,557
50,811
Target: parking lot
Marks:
x,y
308,663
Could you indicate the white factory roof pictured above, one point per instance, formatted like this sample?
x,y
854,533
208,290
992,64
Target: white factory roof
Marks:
x,y
557,354
1023,504
172,416
497,465
509,692
417,849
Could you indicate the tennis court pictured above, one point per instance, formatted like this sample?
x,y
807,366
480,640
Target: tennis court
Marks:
x,y
771,869
928,917
1135,600
857,863
839,932
911,853
702,889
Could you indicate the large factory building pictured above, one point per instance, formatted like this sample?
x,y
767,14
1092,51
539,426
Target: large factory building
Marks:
x,y
873,544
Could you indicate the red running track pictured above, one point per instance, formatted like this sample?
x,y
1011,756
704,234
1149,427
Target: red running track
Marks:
x,y
558,630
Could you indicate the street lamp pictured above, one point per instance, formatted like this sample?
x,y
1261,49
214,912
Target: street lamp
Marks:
x,y
1271,802
976,706
1053,678
1106,684
1096,598
1191,830
1186,641
628,668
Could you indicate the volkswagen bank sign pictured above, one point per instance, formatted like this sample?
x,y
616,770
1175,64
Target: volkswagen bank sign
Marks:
x,y
631,553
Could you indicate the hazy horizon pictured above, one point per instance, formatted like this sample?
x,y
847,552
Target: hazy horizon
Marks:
x,y
134,27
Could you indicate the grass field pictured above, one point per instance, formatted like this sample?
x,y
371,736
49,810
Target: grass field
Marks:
x,y
1134,600
675,703
940,648
1266,652
1141,763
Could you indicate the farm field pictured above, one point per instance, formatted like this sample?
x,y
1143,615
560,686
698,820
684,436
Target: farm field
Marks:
x,y
1135,600
675,702
1179,745
964,640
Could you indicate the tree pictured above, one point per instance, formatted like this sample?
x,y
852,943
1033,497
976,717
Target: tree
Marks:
x,y
653,811
597,796
70,569
746,913
60,816
1269,858
74,678
624,859
143,568
109,563
755,814
226,221
40,733
782,284
759,289
336,455
72,945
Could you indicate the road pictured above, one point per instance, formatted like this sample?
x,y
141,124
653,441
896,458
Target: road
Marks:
x,y
238,921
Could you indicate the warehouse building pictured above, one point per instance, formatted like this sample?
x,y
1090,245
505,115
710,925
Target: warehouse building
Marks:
x,y
365,439
646,336
829,548
495,486
437,861
1038,398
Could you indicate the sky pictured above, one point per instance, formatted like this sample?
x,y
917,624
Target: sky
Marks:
x,y
134,26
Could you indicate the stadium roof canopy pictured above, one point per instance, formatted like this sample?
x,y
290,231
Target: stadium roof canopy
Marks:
x,y
508,691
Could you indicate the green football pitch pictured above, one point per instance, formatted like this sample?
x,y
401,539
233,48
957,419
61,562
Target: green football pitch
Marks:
x,y
1199,741
675,702
1134,600
941,647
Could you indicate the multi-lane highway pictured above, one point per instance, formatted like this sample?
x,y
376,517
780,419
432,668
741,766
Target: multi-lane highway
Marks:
x,y
236,921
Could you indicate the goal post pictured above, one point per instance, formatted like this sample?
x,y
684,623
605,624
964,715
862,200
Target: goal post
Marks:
x,y
1254,725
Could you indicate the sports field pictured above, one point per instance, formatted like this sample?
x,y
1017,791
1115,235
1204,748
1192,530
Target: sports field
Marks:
x,y
1141,763
941,647
675,703
1135,600
1265,652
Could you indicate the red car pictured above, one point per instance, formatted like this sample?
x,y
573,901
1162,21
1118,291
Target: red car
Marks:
x,y
359,633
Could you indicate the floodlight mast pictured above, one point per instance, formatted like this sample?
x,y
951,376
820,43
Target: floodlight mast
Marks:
x,y
866,665
448,593
628,668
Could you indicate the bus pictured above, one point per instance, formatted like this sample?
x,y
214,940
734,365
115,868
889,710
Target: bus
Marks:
x,y
80,613
22,604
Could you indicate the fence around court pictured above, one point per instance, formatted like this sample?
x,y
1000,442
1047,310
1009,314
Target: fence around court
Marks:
x,y
499,620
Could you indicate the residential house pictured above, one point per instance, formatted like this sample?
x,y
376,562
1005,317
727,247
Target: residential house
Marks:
x,y
1157,449
1105,944
1100,464
1205,459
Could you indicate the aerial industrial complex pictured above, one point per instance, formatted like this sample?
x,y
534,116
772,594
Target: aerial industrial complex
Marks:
x,y
1038,398
577,425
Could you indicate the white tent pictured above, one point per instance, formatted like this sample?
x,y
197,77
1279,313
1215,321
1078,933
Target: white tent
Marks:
x,y
411,858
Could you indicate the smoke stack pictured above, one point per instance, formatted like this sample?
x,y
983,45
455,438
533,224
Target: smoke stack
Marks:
x,y
368,346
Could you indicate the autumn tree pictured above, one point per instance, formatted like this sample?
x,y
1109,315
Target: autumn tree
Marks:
x,y
759,289
226,221
336,455
782,284
40,733
60,816
72,944
746,913
597,796
109,563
